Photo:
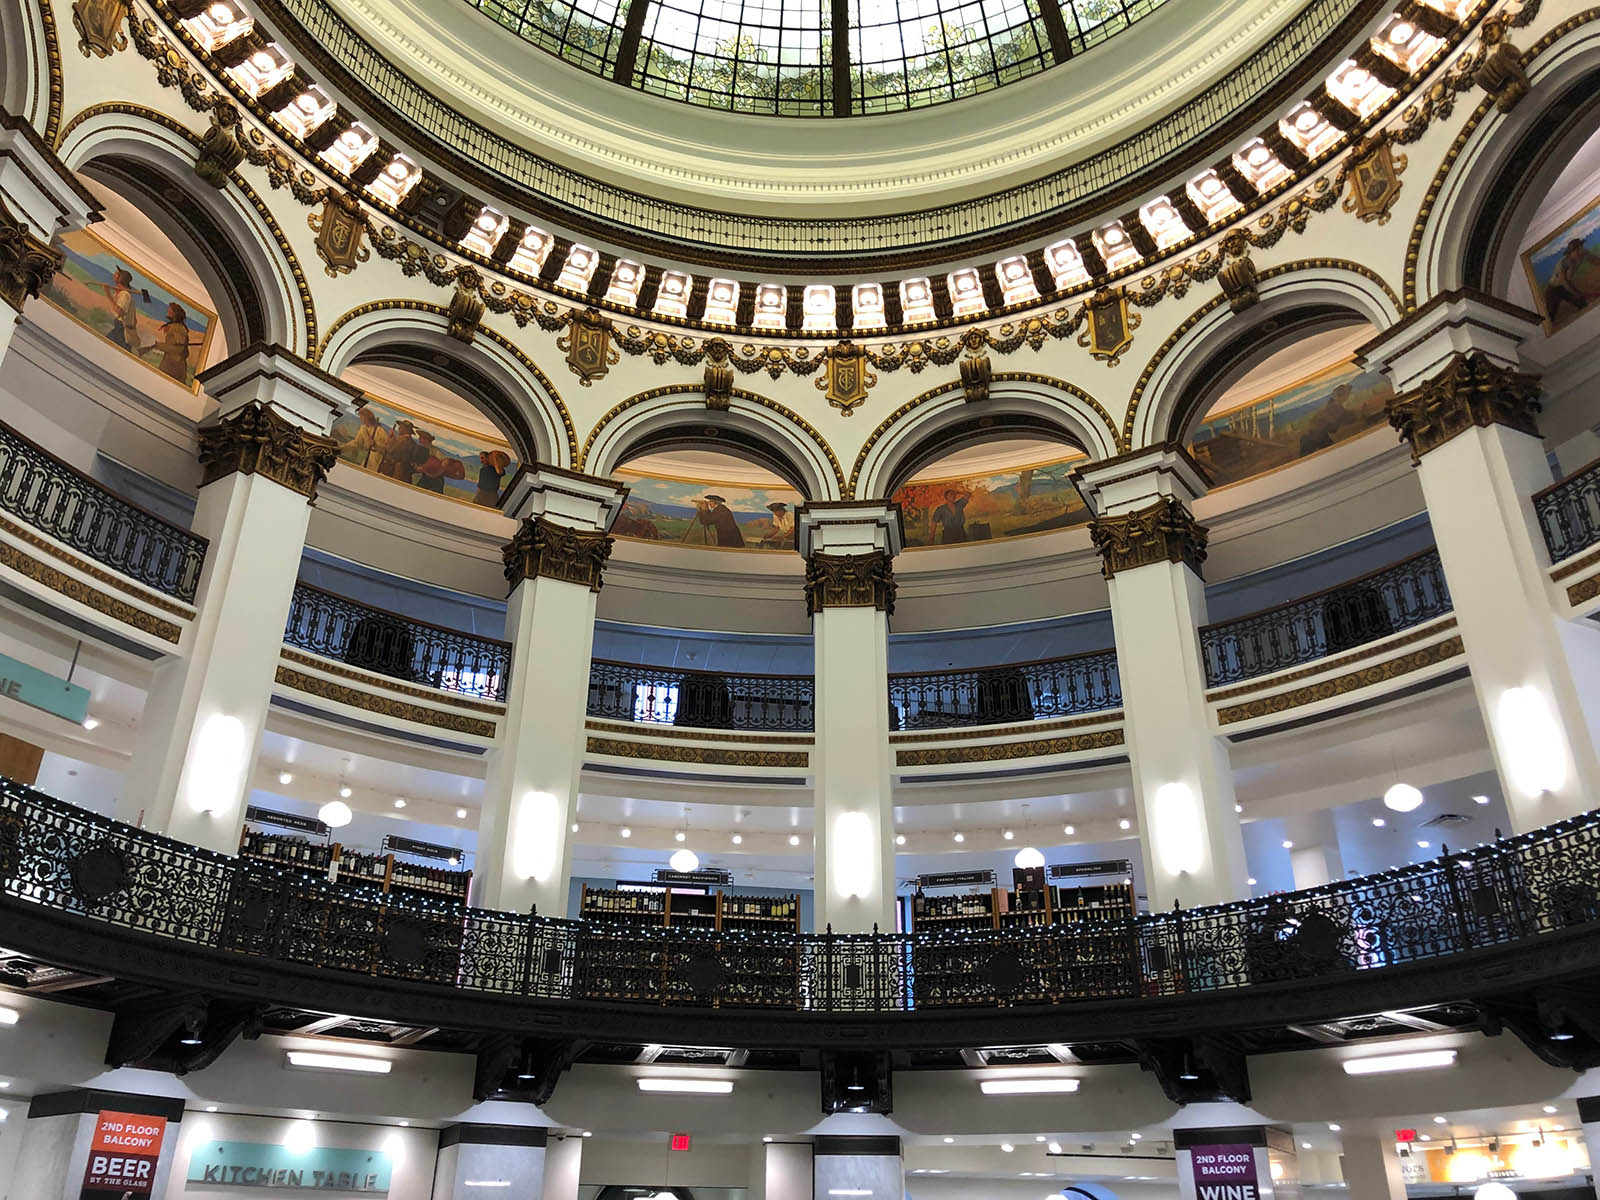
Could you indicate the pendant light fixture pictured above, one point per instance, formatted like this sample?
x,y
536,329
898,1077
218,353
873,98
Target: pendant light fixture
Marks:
x,y
686,860
1401,797
1029,856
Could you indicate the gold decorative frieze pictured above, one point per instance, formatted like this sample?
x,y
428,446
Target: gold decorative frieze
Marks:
x,y
587,345
384,683
1375,650
1076,743
1501,74
1473,391
1109,329
75,589
1162,532
847,378
1340,685
850,581
699,755
26,262
545,549
254,440
340,226
704,735
99,25
1373,174
339,693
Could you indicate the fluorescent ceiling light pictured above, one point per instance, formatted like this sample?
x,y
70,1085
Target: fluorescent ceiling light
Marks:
x,y
9,1016
687,1087
849,1191
495,1183
317,1060
1383,1064
1027,1087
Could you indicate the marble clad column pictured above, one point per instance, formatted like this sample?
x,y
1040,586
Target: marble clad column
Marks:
x,y
866,1167
39,198
478,1160
1470,417
97,1145
553,566
1151,550
262,457
849,547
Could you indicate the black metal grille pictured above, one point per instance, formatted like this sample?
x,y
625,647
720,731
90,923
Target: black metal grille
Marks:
x,y
397,646
37,487
1049,687
1569,512
70,860
1352,614
700,699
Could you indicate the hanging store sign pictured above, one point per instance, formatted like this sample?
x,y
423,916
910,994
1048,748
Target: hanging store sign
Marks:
x,y
1084,870
283,820
1224,1172
710,877
957,879
395,844
42,690
260,1164
123,1155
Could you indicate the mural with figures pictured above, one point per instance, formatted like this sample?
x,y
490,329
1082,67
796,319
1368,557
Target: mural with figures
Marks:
x,y
977,508
105,291
693,512
1564,269
1311,414
425,453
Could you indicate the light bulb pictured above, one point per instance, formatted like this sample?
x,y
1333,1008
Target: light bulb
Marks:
x,y
1028,857
335,814
461,814
285,778
625,832
680,836
738,839
1402,797
344,792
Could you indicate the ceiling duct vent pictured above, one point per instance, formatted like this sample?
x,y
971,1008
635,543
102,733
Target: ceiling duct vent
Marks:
x,y
1446,820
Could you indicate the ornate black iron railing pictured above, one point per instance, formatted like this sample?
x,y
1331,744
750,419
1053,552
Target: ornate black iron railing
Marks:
x,y
1048,687
1331,621
1569,512
400,647
59,500
75,862
701,699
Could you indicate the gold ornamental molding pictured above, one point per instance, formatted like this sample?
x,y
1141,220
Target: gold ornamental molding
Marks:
x,y
1574,566
338,693
52,49
1328,689
704,735
701,755
1584,590
255,440
1108,717
1077,743
26,263
1267,682
383,683
75,589
1472,392
94,572
850,581
546,549
1162,532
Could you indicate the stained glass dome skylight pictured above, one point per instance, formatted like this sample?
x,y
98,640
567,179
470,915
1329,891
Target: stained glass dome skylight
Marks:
x,y
780,56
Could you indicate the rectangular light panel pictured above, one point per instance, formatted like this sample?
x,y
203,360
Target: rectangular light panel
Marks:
x,y
1417,1060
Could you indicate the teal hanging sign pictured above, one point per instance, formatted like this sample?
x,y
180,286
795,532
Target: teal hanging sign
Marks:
x,y
261,1164
41,690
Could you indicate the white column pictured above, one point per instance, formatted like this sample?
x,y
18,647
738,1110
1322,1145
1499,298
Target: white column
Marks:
x,y
1151,550
1469,417
1315,859
554,567
1370,1162
563,1161
262,455
39,198
787,1171
514,1157
849,547
1589,1116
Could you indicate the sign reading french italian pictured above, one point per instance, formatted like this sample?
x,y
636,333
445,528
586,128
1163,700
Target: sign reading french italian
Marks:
x,y
1224,1172
123,1154
260,1164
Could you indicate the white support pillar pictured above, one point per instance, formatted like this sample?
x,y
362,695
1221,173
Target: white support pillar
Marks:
x,y
262,457
39,198
1371,1164
1589,1117
1468,414
849,547
1151,550
554,567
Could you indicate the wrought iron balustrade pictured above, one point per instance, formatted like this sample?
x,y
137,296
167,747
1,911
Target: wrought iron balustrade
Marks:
x,y
1328,622
88,868
38,488
1030,691
400,647
701,699
1569,512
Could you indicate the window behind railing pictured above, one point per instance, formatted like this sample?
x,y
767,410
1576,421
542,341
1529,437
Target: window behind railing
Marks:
x,y
1030,691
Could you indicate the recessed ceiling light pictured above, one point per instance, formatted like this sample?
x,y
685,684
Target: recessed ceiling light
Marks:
x,y
1335,1126
1480,799
461,814
1070,830
1378,822
1238,808
680,836
344,792
1422,845
1251,881
794,839
399,801
211,1108
1124,824
1549,1109
1042,1086
768,1138
1008,835
1006,1147
949,1141
625,832
318,1060
899,839
738,839
575,827
1441,1121
960,837
1287,844
1416,1060
1039,1138
284,777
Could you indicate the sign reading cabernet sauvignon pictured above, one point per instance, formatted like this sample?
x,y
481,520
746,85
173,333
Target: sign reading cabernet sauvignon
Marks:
x,y
1224,1172
258,1164
123,1154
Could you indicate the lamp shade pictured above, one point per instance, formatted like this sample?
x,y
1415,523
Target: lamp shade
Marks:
x,y
1029,857
684,861
1402,797
335,814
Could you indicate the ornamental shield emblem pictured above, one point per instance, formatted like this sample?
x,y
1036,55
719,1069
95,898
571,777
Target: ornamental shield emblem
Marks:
x,y
1374,176
99,26
339,227
587,343
1110,326
848,377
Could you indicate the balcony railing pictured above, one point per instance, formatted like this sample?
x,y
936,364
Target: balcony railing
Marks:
x,y
71,861
59,500
1569,512
1030,691
701,699
400,647
1328,622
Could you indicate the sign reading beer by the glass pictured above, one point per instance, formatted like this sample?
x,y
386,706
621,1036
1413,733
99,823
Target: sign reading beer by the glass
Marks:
x,y
320,1168
123,1155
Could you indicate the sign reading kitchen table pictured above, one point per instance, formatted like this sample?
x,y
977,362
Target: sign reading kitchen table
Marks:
x,y
258,1164
1226,1172
123,1155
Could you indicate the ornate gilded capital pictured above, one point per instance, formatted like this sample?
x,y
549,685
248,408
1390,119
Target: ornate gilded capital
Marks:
x,y
547,549
1163,532
1474,390
849,581
254,440
26,263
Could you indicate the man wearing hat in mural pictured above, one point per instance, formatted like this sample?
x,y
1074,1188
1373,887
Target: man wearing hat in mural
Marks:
x,y
721,529
782,535
492,466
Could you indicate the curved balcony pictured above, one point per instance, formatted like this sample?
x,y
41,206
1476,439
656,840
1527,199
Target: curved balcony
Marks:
x,y
701,699
1569,512
1030,691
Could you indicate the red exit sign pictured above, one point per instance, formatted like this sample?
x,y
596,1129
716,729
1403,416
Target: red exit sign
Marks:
x,y
1405,1135
679,1141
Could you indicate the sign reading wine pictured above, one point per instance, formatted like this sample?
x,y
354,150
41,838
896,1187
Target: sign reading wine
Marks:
x,y
1224,1172
123,1155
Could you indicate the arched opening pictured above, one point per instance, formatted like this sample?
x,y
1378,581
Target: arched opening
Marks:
x,y
1006,480
687,489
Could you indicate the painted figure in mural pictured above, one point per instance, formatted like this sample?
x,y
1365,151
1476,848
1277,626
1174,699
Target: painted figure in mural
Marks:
x,y
430,471
492,465
1565,285
119,291
781,536
713,514
174,343
403,456
1326,424
950,518
371,440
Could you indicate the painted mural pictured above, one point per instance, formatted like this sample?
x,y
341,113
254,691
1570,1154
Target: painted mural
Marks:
x,y
1564,269
421,452
1272,431
105,291
693,512
1002,504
